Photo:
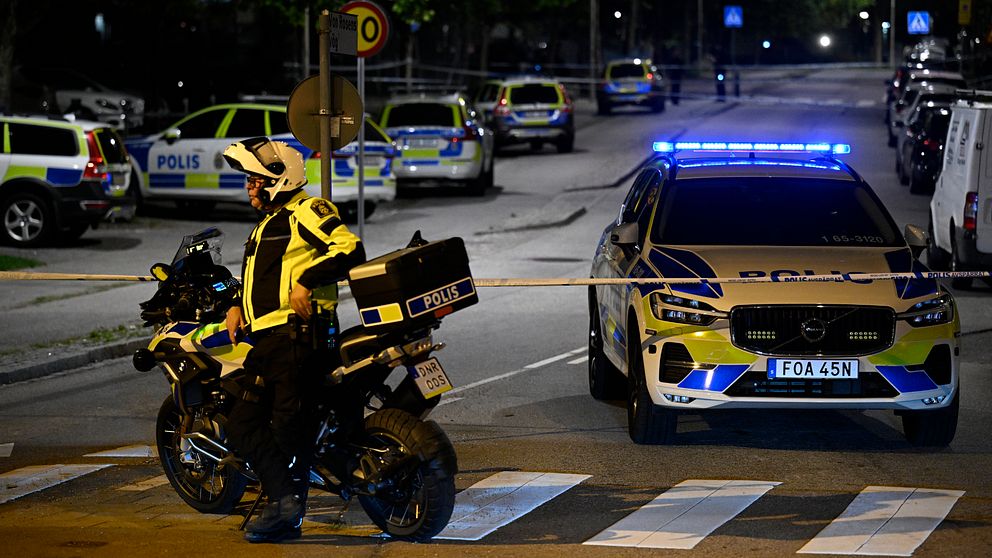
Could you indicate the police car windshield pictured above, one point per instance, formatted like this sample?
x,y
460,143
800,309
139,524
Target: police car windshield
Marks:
x,y
763,211
421,114
626,70
534,93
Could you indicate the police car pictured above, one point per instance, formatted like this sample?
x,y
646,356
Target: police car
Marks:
x,y
59,177
631,81
529,110
767,216
439,137
185,162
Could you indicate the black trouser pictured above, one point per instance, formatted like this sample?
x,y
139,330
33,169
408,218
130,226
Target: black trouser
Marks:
x,y
268,425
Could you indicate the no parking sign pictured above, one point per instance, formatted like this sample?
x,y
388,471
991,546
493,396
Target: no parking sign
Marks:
x,y
373,26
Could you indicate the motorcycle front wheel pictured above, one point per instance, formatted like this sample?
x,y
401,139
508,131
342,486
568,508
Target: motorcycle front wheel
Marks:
x,y
419,502
194,476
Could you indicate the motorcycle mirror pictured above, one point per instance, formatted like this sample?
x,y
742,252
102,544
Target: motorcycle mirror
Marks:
x,y
161,271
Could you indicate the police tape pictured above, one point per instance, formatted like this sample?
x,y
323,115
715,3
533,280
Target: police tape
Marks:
x,y
591,281
40,276
774,278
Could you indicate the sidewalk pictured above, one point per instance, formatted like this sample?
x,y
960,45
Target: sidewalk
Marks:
x,y
38,363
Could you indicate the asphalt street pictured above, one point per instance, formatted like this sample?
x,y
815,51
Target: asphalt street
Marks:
x,y
520,416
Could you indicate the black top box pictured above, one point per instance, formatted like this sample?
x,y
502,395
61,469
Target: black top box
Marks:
x,y
413,286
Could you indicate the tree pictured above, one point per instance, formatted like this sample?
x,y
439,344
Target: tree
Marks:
x,y
8,30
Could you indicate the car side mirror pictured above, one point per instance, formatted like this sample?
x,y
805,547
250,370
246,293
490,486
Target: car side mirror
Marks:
x,y
624,236
917,238
161,271
171,135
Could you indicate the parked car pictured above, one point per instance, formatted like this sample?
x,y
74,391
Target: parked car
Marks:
x,y
530,110
66,91
921,148
961,207
59,177
631,81
439,137
918,94
184,163
766,211
915,73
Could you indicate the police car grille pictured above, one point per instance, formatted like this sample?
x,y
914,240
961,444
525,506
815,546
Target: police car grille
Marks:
x,y
757,384
778,330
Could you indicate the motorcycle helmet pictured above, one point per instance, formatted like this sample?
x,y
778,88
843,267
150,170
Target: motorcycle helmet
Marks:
x,y
277,162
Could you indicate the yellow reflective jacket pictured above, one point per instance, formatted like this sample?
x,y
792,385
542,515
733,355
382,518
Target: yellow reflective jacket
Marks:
x,y
303,242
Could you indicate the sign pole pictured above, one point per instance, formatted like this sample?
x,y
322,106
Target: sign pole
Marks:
x,y
892,34
324,114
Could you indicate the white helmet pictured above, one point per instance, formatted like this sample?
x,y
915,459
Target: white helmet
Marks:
x,y
281,164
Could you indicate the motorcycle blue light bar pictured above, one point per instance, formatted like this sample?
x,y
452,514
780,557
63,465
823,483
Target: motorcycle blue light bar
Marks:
x,y
672,147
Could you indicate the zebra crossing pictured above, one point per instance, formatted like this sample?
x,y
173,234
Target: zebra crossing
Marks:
x,y
879,521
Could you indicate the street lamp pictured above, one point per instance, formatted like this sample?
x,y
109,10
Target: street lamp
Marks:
x,y
824,41
863,15
617,14
766,44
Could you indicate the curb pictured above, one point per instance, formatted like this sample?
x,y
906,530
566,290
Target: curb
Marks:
x,y
61,364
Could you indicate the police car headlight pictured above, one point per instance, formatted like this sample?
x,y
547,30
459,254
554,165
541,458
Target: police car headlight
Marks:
x,y
671,308
935,311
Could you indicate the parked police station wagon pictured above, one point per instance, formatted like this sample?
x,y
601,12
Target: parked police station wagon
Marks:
x,y
59,177
185,162
439,137
763,211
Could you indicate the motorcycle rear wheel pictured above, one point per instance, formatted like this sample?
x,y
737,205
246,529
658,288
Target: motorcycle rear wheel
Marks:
x,y
418,507
202,485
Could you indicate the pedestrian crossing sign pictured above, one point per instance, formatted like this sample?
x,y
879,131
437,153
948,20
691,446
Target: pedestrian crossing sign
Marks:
x,y
733,17
918,23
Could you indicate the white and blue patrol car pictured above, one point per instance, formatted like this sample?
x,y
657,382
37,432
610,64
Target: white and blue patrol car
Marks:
x,y
58,177
439,137
185,162
771,214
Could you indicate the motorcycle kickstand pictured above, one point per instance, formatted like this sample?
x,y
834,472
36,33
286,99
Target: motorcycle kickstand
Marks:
x,y
340,518
251,510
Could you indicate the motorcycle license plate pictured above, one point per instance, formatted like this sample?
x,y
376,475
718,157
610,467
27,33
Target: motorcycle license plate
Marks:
x,y
430,378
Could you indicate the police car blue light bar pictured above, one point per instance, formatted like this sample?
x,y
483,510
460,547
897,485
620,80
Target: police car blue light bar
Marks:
x,y
672,147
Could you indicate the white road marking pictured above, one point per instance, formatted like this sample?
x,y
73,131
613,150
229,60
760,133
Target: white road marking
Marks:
x,y
684,515
146,484
885,521
449,400
502,498
506,375
126,451
579,360
865,103
6,449
24,481
555,358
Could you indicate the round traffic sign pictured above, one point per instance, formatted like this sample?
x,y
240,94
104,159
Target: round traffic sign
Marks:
x,y
373,26
303,111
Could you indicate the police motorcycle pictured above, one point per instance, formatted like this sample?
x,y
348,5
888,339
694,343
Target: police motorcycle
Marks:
x,y
372,440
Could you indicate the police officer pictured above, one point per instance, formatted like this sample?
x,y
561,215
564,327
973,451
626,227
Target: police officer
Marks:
x,y
293,260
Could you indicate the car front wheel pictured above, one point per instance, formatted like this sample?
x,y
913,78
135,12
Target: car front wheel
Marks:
x,y
647,423
605,381
932,428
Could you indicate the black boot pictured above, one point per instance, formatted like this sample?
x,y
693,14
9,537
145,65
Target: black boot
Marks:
x,y
280,520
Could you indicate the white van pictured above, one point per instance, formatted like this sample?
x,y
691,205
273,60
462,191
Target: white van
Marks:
x,y
961,208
